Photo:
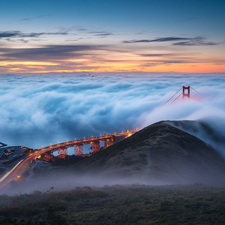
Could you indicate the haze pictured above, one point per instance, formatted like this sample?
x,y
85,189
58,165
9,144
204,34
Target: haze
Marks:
x,y
37,110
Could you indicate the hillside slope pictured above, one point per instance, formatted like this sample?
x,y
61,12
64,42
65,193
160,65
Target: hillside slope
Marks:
x,y
158,154
209,130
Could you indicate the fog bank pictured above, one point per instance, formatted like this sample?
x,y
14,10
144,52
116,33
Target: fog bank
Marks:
x,y
37,110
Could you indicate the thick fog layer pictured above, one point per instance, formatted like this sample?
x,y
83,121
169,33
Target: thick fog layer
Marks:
x,y
37,110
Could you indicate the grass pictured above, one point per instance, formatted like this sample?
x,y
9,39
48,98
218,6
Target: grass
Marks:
x,y
136,204
163,143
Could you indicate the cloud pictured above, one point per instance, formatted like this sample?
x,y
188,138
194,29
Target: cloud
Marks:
x,y
49,52
38,110
162,62
94,32
82,29
184,41
19,34
188,19
165,39
156,55
101,33
194,43
32,18
9,34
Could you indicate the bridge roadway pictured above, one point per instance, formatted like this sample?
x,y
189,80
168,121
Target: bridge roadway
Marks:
x,y
17,171
109,139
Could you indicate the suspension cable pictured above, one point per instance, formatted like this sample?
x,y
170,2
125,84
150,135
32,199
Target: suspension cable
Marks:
x,y
163,105
171,102
195,90
173,95
176,98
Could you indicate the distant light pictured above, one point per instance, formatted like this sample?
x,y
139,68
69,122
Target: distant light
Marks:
x,y
18,176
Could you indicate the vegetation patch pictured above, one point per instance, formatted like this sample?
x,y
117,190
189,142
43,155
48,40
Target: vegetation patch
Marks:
x,y
136,204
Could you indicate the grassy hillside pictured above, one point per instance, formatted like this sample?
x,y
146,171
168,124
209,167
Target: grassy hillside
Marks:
x,y
209,130
136,204
160,153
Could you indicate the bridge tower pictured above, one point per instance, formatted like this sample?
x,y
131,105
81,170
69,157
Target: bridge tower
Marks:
x,y
47,156
78,149
186,91
108,141
95,146
62,153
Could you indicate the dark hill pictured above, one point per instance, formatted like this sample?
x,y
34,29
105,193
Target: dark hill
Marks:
x,y
209,130
158,154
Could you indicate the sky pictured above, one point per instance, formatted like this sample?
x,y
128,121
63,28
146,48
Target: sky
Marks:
x,y
37,110
105,36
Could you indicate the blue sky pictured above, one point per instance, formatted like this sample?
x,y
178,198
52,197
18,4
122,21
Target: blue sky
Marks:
x,y
191,17
112,27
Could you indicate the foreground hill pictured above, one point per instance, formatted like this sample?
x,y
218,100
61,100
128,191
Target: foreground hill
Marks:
x,y
210,130
158,154
135,204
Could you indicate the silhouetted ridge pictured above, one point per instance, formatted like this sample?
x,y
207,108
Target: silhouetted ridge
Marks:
x,y
159,153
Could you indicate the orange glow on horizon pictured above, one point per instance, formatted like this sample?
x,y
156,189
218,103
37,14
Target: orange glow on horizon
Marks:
x,y
28,63
98,67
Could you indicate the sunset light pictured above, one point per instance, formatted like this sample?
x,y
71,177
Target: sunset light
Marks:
x,y
112,112
180,39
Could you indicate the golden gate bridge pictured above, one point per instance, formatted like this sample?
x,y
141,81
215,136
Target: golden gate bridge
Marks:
x,y
46,153
184,91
